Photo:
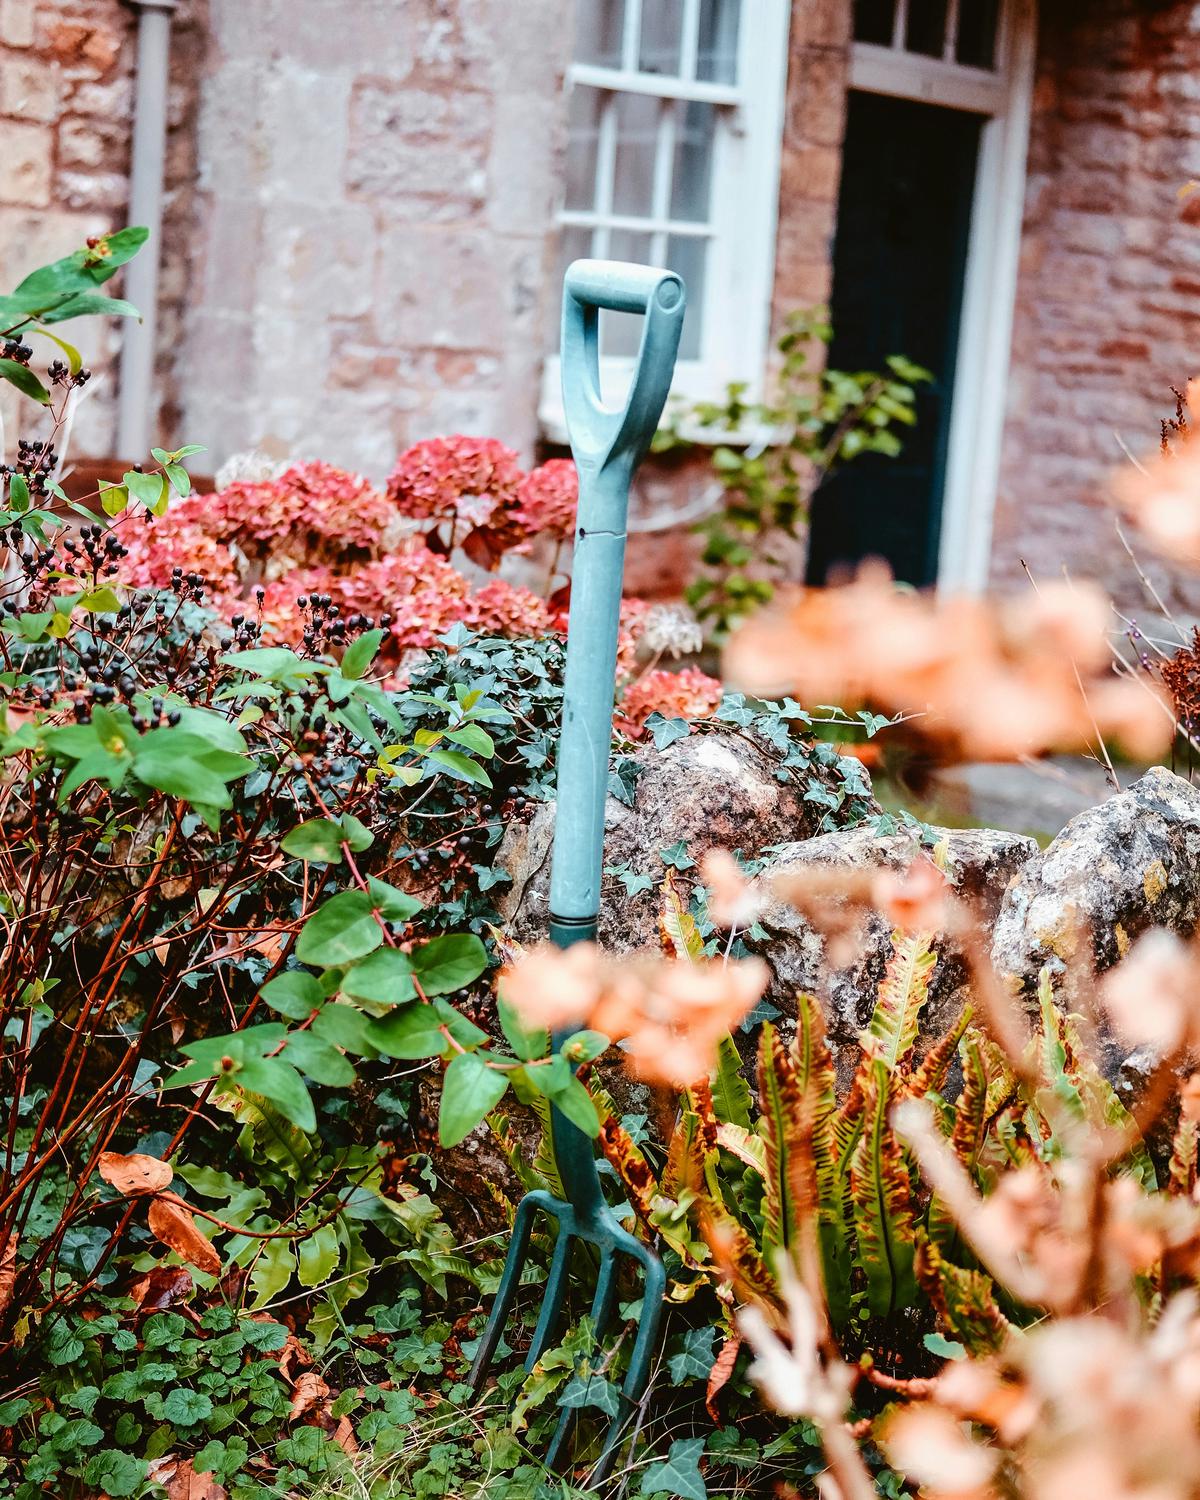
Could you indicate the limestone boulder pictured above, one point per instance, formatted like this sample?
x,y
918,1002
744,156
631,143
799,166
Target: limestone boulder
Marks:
x,y
1128,864
984,863
724,788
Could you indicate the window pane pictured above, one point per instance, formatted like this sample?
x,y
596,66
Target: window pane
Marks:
x,y
621,333
687,255
637,139
873,21
691,179
977,32
927,26
716,54
583,134
661,30
598,27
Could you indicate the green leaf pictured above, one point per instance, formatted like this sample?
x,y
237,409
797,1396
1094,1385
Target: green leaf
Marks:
x,y
730,1091
114,1473
184,1407
278,1081
574,1101
273,1270
696,1358
100,601
591,1390
343,929
938,1344
391,904
344,1026
319,841
178,478
25,380
383,978
316,1058
361,653
318,1256
294,994
113,497
88,304
409,1034
679,1475
150,489
461,766
18,492
883,1209
676,856
527,1044
449,963
584,1046
902,994
470,1090
474,737
74,358
356,834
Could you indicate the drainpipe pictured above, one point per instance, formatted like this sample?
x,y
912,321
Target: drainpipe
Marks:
x,y
145,207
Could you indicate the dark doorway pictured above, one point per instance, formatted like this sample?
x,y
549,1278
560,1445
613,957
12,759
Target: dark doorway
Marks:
x,y
908,177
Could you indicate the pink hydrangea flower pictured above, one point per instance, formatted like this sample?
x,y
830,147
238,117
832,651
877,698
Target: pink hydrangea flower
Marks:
x,y
465,478
548,498
689,694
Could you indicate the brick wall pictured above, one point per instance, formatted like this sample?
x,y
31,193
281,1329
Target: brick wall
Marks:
x,y
371,238
1108,308
66,110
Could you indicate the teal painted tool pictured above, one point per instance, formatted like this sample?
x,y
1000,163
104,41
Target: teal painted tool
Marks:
x,y
607,444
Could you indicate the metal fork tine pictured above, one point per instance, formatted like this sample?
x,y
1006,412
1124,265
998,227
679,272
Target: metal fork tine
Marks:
x,y
639,1361
552,1296
602,1306
514,1264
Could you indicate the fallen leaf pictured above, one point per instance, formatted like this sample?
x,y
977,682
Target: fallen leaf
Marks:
x,y
718,1376
181,1481
8,1270
310,1398
294,1359
136,1174
175,1227
161,1287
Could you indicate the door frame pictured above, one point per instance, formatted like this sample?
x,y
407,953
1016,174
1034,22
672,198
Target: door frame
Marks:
x,y
977,404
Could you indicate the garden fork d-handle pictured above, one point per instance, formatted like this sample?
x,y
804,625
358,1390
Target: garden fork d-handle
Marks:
x,y
608,444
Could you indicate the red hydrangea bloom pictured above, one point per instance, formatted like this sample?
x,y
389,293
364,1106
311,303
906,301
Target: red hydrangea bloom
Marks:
x,y
633,611
548,499
316,506
501,608
182,538
465,478
689,694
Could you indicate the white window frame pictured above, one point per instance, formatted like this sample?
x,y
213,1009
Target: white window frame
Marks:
x,y
736,306
977,413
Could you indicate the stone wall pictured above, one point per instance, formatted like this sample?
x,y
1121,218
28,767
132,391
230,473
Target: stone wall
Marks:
x,y
1108,307
373,226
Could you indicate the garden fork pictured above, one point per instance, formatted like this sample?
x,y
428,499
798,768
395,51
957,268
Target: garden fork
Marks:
x,y
608,445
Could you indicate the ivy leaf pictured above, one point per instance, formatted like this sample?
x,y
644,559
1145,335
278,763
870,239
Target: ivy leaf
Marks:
x,y
679,1474
343,929
470,1090
449,963
114,1473
666,731
591,1391
676,856
695,1359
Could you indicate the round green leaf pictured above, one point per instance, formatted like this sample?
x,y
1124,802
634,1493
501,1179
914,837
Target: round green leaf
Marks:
x,y
446,964
384,977
340,931
294,994
319,841
469,1090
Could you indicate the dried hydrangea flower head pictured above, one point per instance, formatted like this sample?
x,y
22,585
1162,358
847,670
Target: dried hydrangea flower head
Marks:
x,y
669,1016
992,681
548,498
670,630
251,467
689,694
458,478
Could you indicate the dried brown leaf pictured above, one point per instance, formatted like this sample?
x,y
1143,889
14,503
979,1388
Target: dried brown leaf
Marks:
x,y
175,1227
179,1478
135,1174
719,1375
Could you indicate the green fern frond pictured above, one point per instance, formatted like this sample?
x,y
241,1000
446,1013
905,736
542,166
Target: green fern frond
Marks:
x,y
902,994
881,1190
964,1301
